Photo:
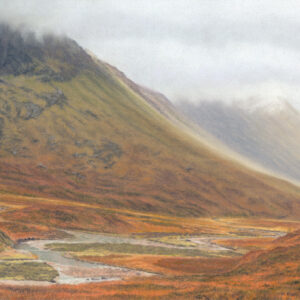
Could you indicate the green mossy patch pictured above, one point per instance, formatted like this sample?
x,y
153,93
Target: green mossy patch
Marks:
x,y
27,271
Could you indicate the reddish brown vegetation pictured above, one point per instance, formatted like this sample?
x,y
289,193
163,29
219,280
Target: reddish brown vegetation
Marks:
x,y
264,274
168,265
246,243
269,272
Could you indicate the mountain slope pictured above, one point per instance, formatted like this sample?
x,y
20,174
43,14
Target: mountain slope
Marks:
x,y
265,132
71,128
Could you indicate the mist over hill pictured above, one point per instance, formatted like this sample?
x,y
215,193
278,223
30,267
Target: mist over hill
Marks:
x,y
149,149
267,132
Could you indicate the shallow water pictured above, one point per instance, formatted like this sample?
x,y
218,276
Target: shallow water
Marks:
x,y
73,271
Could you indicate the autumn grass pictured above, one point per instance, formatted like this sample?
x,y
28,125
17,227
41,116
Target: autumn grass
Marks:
x,y
264,274
246,244
124,248
175,240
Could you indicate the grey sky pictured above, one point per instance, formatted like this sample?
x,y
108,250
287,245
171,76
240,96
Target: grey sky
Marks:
x,y
191,49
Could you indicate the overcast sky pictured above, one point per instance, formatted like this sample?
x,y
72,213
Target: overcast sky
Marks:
x,y
187,49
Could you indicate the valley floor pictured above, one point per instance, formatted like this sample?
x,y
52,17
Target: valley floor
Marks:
x,y
95,252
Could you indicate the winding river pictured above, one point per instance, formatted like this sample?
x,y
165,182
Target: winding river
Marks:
x,y
73,271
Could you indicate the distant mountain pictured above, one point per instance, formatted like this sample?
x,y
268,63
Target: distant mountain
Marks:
x,y
73,127
267,132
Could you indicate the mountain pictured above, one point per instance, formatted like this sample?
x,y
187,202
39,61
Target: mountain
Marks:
x,y
266,132
72,127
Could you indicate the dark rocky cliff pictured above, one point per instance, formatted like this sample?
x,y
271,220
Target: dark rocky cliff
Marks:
x,y
23,53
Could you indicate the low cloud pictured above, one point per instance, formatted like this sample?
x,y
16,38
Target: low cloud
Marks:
x,y
188,49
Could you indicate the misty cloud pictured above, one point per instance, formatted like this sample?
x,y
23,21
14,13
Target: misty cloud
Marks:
x,y
188,49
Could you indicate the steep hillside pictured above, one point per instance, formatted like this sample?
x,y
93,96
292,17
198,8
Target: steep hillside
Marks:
x,y
266,132
71,128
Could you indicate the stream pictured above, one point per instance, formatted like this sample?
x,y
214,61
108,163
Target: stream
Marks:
x,y
73,271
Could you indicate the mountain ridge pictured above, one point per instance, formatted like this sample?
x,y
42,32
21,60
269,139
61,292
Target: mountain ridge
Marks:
x,y
82,133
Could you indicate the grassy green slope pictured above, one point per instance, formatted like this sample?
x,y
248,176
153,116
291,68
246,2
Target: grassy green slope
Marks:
x,y
109,143
72,128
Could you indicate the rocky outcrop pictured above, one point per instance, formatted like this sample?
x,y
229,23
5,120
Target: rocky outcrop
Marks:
x,y
15,56
21,53
22,103
32,111
107,153
55,98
